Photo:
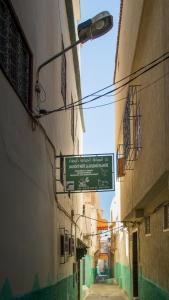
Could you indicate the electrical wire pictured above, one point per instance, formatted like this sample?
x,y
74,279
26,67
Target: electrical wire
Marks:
x,y
104,233
113,94
109,92
124,98
133,73
79,215
123,85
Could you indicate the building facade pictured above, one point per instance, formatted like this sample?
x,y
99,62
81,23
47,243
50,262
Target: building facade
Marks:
x,y
142,148
91,238
40,237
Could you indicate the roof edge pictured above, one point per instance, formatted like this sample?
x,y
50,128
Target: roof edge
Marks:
x,y
118,39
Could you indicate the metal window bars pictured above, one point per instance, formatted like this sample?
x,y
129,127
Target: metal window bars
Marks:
x,y
128,152
15,57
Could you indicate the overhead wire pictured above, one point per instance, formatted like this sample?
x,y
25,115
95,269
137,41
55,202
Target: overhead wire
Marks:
x,y
123,85
114,90
123,98
105,232
117,221
120,80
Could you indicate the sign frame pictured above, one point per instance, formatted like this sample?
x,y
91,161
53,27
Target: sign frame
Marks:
x,y
85,190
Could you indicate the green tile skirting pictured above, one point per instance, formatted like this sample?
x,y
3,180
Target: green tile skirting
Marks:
x,y
62,290
94,274
123,277
59,291
88,271
149,290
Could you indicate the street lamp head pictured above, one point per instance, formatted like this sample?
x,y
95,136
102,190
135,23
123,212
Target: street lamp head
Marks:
x,y
95,27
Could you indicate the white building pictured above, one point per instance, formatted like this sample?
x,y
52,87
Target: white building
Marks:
x,y
37,253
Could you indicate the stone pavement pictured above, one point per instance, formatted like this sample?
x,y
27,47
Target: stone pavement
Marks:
x,y
106,292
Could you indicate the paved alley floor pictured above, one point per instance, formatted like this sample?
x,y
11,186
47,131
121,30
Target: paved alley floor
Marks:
x,y
106,292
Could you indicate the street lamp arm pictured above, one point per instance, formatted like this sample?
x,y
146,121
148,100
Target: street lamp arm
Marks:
x,y
88,30
53,58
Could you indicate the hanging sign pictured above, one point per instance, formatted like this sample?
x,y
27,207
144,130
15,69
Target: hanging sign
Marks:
x,y
88,173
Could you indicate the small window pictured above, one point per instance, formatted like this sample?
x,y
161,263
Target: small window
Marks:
x,y
15,56
71,245
147,225
66,243
166,216
61,169
62,245
63,76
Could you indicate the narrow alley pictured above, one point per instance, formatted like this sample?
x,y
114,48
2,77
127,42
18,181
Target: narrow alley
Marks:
x,y
84,150
106,292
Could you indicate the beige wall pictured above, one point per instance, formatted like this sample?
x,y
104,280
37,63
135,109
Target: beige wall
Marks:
x,y
131,14
146,186
153,158
30,219
154,251
92,205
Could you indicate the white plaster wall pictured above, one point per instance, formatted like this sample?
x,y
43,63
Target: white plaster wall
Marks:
x,y
30,220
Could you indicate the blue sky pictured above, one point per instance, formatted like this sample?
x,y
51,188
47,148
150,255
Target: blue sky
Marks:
x,y
97,69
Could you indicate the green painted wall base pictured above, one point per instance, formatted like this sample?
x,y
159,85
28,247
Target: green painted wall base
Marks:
x,y
62,290
94,274
148,290
90,273
123,277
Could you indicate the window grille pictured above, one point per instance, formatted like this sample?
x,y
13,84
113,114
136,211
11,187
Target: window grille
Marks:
x,y
71,245
166,216
15,56
147,225
126,129
128,152
62,245
63,76
66,242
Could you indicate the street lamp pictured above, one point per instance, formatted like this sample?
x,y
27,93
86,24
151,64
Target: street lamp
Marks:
x,y
88,30
95,27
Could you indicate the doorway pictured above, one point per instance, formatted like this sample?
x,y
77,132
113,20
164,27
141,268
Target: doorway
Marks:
x,y
135,265
78,279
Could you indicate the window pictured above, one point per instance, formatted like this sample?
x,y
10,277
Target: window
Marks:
x,y
61,169
131,130
63,76
147,225
166,216
15,56
66,243
126,128
62,245
72,120
71,245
